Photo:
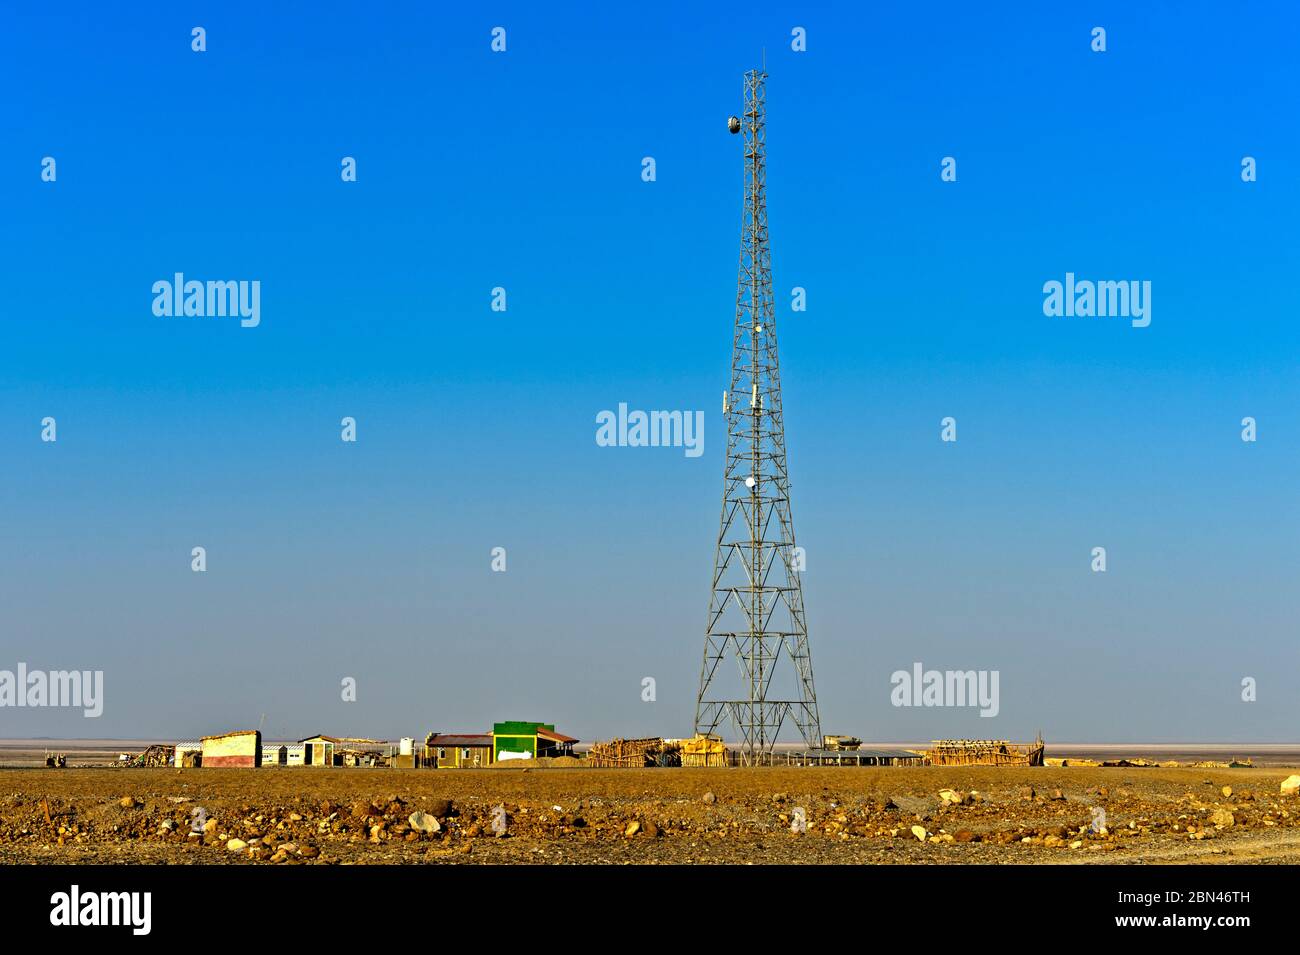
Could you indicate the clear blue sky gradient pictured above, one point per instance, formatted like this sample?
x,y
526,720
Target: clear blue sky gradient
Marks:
x,y
476,429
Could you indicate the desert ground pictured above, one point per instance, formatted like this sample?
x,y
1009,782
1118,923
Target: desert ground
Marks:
x,y
305,815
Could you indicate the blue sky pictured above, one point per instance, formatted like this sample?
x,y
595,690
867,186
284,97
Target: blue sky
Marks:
x,y
476,428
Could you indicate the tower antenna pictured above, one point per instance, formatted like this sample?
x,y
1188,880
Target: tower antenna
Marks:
x,y
756,612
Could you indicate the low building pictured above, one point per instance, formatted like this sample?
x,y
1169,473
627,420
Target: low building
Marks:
x,y
242,748
853,757
703,749
275,755
319,750
515,739
457,750
406,756
188,753
358,751
295,754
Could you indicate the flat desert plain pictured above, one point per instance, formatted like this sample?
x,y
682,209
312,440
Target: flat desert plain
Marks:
x,y
305,815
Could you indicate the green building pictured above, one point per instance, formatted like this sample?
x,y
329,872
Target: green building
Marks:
x,y
518,737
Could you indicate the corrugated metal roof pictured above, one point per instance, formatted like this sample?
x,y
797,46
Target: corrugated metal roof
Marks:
x,y
867,753
464,739
555,737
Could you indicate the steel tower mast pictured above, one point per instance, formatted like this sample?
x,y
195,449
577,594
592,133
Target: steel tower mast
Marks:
x,y
756,612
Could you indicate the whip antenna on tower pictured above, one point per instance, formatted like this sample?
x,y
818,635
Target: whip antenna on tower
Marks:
x,y
756,613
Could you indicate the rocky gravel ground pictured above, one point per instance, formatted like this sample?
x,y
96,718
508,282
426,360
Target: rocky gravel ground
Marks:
x,y
310,816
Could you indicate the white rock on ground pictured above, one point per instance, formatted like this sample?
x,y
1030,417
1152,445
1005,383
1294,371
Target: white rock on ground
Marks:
x,y
423,822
